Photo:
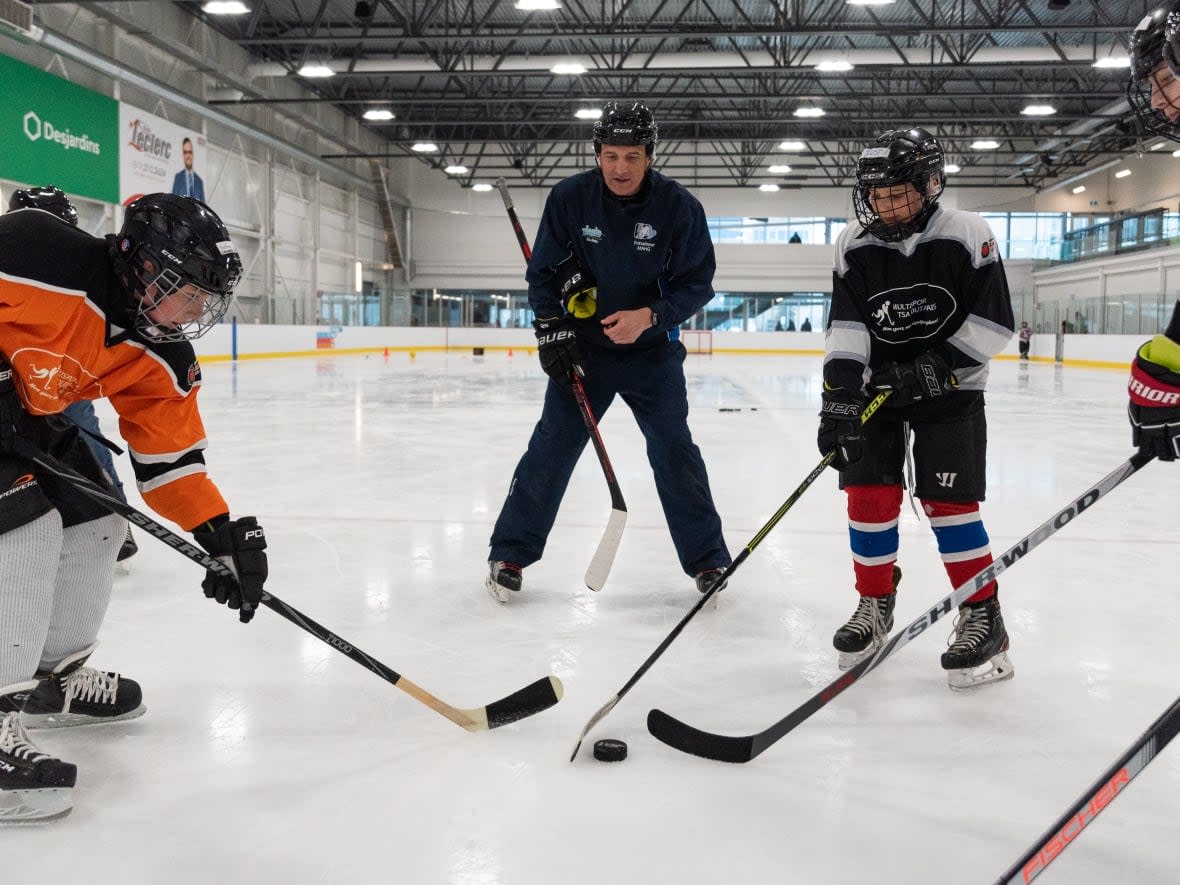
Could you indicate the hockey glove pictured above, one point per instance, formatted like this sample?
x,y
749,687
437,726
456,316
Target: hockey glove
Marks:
x,y
558,349
240,545
840,427
929,376
12,413
1155,398
578,288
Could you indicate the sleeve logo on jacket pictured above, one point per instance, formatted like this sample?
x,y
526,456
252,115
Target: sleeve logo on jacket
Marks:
x,y
988,248
591,234
910,313
49,381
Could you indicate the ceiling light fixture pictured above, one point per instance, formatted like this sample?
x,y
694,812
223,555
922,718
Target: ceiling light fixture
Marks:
x,y
768,188
809,112
778,169
834,66
984,144
456,169
483,187
1039,110
588,113
1080,189
1122,173
315,71
792,146
424,147
1113,61
537,5
572,68
952,168
378,114
869,2
225,7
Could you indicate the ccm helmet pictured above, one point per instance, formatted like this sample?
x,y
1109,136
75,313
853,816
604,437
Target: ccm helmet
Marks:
x,y
898,157
167,244
620,125
1155,42
49,198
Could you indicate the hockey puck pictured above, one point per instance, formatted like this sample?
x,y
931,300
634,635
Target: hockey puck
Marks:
x,y
610,750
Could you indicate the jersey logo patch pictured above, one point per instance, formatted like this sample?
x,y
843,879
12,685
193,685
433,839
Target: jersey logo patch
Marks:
x,y
946,480
50,381
645,234
591,234
988,248
910,313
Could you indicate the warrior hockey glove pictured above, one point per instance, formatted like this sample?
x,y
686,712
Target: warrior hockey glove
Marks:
x,y
1155,398
558,349
929,376
578,288
840,427
241,545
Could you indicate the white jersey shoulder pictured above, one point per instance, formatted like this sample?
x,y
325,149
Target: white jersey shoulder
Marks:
x,y
969,229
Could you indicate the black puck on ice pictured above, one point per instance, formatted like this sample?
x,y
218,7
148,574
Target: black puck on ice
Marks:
x,y
608,750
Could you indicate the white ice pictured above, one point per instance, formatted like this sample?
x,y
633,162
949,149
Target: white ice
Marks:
x,y
266,756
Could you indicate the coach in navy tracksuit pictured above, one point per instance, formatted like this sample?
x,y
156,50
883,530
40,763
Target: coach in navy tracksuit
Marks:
x,y
622,258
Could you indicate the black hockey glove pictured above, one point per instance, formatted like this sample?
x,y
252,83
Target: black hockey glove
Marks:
x,y
578,288
558,349
241,545
12,413
840,427
1154,389
927,377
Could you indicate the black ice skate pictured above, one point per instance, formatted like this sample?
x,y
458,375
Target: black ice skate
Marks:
x,y
77,695
979,639
34,786
868,628
706,578
504,578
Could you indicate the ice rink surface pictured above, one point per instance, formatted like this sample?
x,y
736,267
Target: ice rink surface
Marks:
x,y
267,757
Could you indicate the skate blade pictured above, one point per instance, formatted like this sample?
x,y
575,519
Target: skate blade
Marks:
x,y
35,806
849,659
499,593
73,720
998,669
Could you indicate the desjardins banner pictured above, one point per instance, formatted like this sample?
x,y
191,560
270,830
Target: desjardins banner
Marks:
x,y
53,132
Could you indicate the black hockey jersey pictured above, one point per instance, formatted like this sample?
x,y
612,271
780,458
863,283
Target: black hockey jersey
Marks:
x,y
941,289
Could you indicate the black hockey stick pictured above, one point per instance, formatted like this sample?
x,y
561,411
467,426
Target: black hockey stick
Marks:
x,y
604,556
725,748
721,579
541,695
1070,825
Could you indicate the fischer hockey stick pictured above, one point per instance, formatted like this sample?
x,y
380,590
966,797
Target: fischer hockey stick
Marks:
x,y
541,695
604,556
721,579
725,748
1104,791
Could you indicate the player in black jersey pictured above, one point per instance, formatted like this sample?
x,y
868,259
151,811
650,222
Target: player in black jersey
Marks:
x,y
920,305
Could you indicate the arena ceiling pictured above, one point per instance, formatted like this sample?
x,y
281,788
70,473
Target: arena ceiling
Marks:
x,y
725,79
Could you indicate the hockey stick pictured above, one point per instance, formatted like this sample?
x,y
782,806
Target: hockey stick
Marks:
x,y
869,411
1070,825
725,748
541,695
604,556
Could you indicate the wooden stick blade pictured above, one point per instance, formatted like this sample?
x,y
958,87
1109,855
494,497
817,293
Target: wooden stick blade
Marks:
x,y
594,720
604,557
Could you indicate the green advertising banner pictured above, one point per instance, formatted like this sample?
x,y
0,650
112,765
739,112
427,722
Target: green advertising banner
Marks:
x,y
53,132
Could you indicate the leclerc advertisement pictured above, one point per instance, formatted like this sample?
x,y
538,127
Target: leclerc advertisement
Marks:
x,y
53,132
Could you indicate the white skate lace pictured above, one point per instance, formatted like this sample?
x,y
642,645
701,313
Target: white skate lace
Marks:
x,y
971,629
867,617
88,684
15,741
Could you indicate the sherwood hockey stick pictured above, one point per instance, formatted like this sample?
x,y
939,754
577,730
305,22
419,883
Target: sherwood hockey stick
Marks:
x,y
541,695
725,748
604,556
1061,835
869,411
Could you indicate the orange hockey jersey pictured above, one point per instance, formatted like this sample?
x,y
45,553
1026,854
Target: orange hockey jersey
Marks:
x,y
65,327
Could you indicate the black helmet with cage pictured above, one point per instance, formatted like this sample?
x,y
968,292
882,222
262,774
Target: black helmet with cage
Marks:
x,y
1156,42
176,246
899,157
619,125
49,198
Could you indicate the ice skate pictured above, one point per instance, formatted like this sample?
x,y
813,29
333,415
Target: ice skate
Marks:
x,y
76,695
34,786
704,580
868,628
504,579
978,649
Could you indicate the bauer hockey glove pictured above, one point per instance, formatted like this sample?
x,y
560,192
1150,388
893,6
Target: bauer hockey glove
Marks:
x,y
558,349
929,376
241,545
840,427
1154,389
578,288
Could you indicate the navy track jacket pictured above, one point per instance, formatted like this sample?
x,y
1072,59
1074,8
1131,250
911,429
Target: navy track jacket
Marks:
x,y
651,250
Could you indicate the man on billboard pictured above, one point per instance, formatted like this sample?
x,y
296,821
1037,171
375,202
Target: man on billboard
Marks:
x,y
187,183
